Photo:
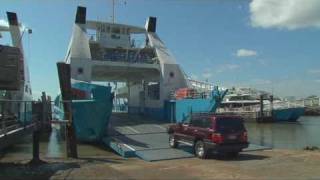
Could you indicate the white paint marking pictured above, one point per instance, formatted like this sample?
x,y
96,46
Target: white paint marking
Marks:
x,y
129,147
132,129
161,127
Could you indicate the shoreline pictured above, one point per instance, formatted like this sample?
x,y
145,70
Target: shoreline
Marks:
x,y
249,165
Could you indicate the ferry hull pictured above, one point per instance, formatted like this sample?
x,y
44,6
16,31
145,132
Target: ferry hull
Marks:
x,y
91,116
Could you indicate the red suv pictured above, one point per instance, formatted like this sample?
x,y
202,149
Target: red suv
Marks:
x,y
222,134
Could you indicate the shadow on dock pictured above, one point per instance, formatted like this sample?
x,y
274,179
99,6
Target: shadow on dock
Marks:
x,y
241,157
28,171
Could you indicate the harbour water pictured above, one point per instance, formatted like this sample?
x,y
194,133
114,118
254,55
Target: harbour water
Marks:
x,y
296,135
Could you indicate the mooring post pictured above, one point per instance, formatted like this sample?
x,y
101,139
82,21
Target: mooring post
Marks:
x,y
260,119
35,146
64,72
44,109
271,106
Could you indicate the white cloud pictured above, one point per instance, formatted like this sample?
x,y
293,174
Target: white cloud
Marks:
x,y
261,81
4,23
317,80
246,53
285,14
195,77
207,75
227,67
314,71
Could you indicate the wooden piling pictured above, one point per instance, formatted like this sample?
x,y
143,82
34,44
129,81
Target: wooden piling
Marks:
x,y
64,72
261,117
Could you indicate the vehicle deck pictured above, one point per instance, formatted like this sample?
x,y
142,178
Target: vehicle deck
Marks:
x,y
140,136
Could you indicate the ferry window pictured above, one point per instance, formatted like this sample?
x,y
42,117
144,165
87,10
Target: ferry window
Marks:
x,y
80,70
116,30
171,74
114,36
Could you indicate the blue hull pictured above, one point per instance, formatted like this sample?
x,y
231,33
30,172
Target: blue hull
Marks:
x,y
91,113
288,115
91,116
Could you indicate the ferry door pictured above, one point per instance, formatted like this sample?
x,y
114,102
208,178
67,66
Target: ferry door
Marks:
x,y
142,101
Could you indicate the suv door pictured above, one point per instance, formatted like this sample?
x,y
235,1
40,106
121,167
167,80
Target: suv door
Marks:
x,y
186,134
202,128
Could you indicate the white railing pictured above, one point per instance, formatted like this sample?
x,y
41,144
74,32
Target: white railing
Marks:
x,y
200,84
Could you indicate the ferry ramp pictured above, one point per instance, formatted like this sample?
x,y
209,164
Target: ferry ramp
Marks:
x,y
140,136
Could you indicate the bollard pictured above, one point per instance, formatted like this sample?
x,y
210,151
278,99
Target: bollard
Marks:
x,y
261,118
35,148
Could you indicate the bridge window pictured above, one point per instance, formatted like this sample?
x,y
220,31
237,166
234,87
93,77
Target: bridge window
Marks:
x,y
114,36
80,70
154,90
116,30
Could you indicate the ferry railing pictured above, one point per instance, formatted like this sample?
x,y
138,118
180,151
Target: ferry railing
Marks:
x,y
200,84
127,55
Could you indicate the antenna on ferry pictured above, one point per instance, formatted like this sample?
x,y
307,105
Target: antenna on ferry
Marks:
x,y
113,8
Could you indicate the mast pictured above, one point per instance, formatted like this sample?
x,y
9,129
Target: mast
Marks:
x,y
113,13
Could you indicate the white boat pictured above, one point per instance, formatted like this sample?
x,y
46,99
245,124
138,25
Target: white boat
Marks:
x,y
15,87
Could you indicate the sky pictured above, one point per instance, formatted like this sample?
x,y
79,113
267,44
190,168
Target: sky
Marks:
x,y
266,44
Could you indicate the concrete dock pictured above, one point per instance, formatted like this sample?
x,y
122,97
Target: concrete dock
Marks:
x,y
101,164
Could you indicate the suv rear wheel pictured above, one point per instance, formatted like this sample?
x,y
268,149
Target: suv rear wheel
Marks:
x,y
200,150
172,141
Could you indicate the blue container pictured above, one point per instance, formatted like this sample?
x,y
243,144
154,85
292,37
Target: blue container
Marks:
x,y
179,110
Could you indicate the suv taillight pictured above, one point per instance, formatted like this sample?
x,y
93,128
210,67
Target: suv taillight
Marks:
x,y
217,138
244,136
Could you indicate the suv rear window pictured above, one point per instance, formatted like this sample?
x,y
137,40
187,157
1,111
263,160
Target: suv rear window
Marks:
x,y
226,125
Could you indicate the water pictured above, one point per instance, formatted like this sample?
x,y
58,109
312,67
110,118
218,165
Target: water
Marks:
x,y
296,135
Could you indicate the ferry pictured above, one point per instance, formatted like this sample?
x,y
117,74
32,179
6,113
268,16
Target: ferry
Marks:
x,y
109,52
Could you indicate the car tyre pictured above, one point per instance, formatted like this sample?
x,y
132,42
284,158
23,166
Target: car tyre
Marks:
x,y
200,150
173,141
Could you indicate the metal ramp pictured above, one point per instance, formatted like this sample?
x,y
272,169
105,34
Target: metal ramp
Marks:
x,y
138,136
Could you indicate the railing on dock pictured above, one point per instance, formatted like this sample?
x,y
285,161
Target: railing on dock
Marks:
x,y
15,115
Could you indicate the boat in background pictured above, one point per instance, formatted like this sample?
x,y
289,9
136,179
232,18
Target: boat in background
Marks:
x,y
247,101
15,87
